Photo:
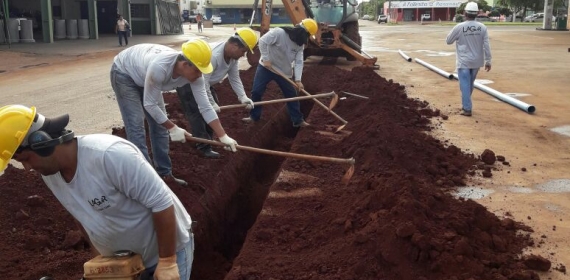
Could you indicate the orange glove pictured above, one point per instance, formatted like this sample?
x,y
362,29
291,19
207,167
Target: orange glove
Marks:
x,y
167,269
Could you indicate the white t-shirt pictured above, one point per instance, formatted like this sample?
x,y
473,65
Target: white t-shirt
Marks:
x,y
113,195
121,24
471,44
223,69
151,66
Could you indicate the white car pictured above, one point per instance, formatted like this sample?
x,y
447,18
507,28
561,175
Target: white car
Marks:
x,y
216,19
426,17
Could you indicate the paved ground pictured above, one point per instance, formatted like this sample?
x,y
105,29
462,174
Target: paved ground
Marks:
x,y
72,77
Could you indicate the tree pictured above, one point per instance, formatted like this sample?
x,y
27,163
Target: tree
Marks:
x,y
372,8
483,6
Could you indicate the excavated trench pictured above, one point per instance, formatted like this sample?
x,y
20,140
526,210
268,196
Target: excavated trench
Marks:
x,y
266,217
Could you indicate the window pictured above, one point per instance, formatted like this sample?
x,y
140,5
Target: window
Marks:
x,y
140,11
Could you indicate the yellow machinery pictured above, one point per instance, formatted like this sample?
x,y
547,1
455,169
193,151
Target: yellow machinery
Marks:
x,y
338,34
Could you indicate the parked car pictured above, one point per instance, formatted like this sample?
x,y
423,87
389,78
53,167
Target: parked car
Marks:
x,y
482,18
216,19
426,17
537,17
366,17
382,18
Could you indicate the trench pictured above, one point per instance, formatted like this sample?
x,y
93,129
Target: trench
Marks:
x,y
231,207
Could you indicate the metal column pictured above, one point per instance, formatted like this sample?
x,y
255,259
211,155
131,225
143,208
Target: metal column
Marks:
x,y
153,14
47,21
93,29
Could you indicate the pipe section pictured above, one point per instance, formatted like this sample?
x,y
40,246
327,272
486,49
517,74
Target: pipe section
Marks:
x,y
503,97
409,59
434,69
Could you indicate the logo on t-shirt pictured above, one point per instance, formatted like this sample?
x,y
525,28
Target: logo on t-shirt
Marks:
x,y
100,204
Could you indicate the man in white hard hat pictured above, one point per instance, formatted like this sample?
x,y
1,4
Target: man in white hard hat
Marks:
x,y
473,52
225,56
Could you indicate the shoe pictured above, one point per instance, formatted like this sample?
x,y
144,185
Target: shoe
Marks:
x,y
465,113
210,154
301,124
248,120
169,179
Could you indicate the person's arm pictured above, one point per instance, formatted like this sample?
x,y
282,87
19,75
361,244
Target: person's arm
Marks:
x,y
299,68
117,27
487,50
265,41
237,85
165,227
453,35
207,78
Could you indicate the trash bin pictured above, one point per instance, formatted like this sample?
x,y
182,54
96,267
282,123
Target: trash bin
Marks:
x,y
561,22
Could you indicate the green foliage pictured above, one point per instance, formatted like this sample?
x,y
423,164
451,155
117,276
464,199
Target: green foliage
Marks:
x,y
372,8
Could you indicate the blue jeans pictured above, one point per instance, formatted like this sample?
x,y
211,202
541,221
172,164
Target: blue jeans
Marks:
x,y
122,34
466,78
130,99
260,81
184,259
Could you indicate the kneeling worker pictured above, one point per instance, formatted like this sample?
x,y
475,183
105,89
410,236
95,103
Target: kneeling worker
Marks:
x,y
224,61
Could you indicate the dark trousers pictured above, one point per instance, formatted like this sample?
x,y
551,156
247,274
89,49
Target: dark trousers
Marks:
x,y
199,127
121,35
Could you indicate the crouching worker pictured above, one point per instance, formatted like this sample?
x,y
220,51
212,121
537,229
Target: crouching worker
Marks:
x,y
118,200
224,61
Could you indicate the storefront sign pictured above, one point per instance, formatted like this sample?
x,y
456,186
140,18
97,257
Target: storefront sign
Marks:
x,y
425,4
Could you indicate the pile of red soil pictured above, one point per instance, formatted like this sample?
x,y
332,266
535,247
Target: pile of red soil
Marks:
x,y
394,219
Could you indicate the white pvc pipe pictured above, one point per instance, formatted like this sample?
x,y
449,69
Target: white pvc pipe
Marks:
x,y
409,59
503,97
434,69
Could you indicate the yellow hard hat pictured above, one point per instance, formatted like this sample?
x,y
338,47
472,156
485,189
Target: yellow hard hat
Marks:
x,y
310,25
199,53
15,121
248,37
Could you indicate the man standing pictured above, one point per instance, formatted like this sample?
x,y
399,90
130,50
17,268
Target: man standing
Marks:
x,y
473,51
117,199
122,29
138,77
224,61
280,48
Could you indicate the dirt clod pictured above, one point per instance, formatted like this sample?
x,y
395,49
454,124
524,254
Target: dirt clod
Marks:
x,y
488,157
537,263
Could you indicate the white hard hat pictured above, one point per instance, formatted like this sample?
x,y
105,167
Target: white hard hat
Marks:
x,y
471,8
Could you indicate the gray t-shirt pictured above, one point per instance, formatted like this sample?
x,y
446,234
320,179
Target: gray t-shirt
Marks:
x,y
151,66
223,69
113,195
472,44
276,47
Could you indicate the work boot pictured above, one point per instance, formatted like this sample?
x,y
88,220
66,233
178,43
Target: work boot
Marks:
x,y
301,124
209,153
169,179
248,120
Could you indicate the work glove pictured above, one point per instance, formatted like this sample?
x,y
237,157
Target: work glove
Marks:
x,y
216,107
167,269
177,134
300,85
230,143
245,100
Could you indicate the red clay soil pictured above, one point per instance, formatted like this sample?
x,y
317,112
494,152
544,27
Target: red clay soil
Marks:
x,y
394,220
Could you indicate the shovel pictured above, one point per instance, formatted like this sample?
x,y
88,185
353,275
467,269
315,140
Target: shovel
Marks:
x,y
344,122
345,178
333,103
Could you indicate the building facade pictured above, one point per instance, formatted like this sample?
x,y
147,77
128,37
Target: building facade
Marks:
x,y
240,11
413,10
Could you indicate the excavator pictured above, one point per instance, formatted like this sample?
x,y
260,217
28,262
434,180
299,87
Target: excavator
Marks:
x,y
338,34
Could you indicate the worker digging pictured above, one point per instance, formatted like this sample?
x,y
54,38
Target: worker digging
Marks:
x,y
361,188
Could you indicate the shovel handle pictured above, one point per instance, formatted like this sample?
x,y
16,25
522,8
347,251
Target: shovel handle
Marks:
x,y
308,94
350,161
233,106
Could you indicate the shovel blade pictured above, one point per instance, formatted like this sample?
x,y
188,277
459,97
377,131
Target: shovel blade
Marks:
x,y
334,101
347,175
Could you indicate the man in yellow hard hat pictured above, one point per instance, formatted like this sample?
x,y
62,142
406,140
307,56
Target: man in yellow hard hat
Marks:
x,y
116,197
140,74
280,48
225,56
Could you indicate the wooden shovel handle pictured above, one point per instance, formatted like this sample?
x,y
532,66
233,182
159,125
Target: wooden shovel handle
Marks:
x,y
350,161
308,94
233,106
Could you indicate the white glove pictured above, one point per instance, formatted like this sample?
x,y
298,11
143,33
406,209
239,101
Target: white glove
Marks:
x,y
177,134
245,100
231,143
216,107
